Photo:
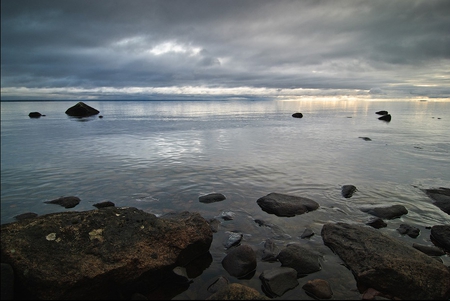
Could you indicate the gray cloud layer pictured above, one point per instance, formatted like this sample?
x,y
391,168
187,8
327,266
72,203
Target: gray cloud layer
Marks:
x,y
145,49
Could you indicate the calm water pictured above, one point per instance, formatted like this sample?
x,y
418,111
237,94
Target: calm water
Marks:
x,y
161,156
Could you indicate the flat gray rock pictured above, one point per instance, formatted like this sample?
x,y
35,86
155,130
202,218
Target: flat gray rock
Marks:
x,y
286,205
389,212
211,198
279,280
303,260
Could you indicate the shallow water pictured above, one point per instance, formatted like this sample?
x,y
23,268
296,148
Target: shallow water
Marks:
x,y
161,156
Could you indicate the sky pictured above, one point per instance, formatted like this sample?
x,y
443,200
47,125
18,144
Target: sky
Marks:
x,y
225,49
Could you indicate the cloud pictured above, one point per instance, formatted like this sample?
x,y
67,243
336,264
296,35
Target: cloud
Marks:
x,y
274,45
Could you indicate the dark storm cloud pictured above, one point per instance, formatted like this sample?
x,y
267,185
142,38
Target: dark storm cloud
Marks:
x,y
381,47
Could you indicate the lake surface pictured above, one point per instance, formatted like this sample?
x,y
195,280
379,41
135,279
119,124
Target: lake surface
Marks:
x,y
160,156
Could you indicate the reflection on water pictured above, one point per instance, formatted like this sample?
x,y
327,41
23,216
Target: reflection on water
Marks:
x,y
161,156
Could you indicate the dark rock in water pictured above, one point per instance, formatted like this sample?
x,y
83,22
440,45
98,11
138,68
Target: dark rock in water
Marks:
x,y
279,280
408,230
376,223
389,212
236,291
440,236
35,115
214,223
66,202
297,115
304,261
270,251
429,250
387,117
99,254
387,264
382,112
227,215
104,204
318,289
441,198
286,205
307,233
348,190
211,198
365,138
240,261
25,216
233,240
81,110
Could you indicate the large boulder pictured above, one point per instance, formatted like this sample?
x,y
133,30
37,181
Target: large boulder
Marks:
x,y
81,110
386,264
98,254
440,235
286,205
441,198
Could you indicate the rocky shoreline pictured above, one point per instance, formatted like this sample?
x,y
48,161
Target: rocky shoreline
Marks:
x,y
124,253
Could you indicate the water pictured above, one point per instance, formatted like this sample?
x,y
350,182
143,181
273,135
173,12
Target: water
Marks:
x,y
161,156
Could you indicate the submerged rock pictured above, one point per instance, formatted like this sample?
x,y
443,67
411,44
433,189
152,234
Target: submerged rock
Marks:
x,y
99,254
408,230
286,205
389,212
386,264
25,215
211,198
81,110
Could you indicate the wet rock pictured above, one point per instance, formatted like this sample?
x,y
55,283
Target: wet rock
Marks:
x,y
278,232
286,205
304,261
102,254
34,115
318,289
386,264
236,291
25,216
270,251
104,204
279,280
211,198
297,115
219,283
233,239
389,212
227,215
307,233
383,112
365,138
348,190
408,230
441,198
81,110
387,117
440,236
66,202
376,223
429,250
240,261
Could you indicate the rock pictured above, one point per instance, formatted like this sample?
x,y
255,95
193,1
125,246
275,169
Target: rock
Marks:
x,y
34,115
286,205
389,212
240,261
7,284
236,291
227,215
382,112
299,258
307,233
348,190
429,250
220,282
270,251
441,198
376,223
81,110
318,289
440,236
25,216
279,280
99,254
387,117
386,264
365,138
408,230
211,198
104,204
214,223
66,202
233,239
297,115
